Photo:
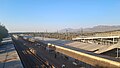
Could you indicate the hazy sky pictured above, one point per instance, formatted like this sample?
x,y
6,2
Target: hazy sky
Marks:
x,y
52,15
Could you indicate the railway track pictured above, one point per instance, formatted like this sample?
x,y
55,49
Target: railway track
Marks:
x,y
29,59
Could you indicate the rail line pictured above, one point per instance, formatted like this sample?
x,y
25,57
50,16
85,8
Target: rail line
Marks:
x,y
29,59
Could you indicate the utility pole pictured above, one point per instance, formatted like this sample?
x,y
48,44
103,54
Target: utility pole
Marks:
x,y
46,33
81,31
57,34
43,36
66,34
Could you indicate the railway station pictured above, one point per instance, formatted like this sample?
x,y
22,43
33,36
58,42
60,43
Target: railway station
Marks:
x,y
83,52
59,34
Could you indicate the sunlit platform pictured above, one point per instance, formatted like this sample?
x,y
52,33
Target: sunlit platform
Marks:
x,y
9,57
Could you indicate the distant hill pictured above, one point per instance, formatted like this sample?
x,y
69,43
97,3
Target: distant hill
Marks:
x,y
99,28
68,29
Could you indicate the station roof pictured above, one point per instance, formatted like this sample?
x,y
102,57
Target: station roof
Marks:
x,y
80,45
105,37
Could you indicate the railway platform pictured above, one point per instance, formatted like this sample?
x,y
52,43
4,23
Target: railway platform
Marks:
x,y
9,57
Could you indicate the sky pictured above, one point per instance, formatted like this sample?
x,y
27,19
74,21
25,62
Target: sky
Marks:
x,y
53,15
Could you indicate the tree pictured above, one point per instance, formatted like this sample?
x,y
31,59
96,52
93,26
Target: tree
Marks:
x,y
3,32
0,38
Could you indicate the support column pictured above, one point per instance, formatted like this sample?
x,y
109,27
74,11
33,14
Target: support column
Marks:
x,y
101,41
117,52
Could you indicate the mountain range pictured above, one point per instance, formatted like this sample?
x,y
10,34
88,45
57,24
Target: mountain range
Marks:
x,y
99,28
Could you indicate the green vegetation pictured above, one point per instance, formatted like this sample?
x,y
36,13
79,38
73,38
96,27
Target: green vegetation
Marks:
x,y
3,32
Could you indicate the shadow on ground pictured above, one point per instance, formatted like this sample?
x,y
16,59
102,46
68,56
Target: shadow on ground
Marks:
x,y
10,64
